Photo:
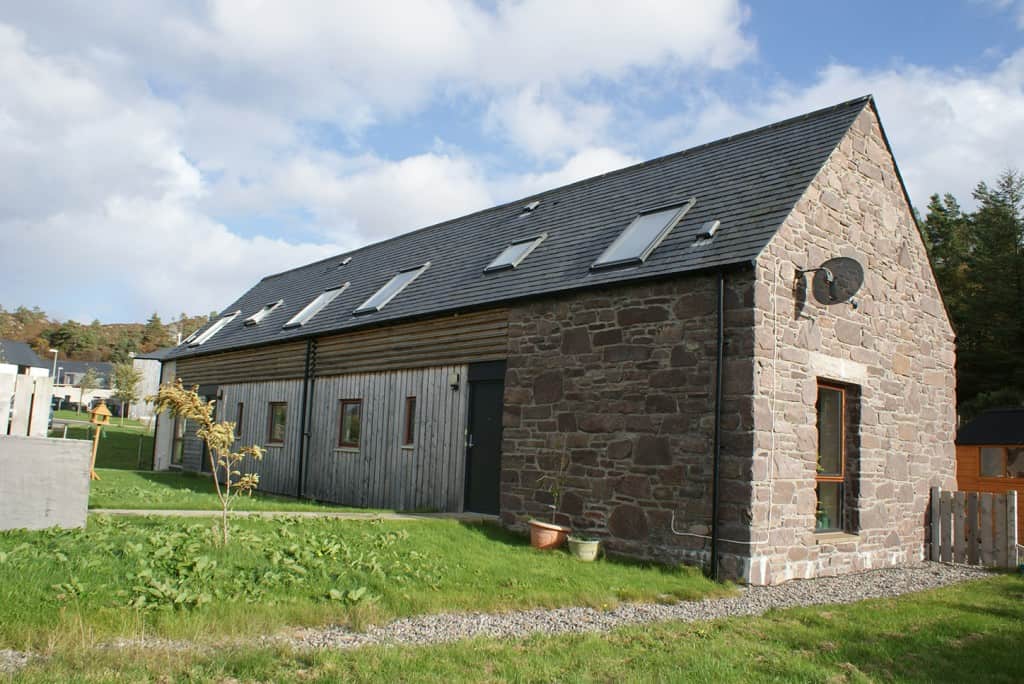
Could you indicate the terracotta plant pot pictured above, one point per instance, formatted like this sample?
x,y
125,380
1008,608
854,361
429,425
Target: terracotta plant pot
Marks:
x,y
547,535
584,549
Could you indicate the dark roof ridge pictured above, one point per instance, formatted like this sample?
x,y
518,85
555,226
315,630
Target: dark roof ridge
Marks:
x,y
863,99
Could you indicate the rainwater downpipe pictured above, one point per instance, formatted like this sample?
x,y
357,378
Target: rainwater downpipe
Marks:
x,y
303,432
717,444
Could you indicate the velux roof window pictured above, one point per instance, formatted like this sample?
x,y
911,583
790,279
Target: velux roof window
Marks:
x,y
196,340
262,313
314,307
514,254
642,236
391,289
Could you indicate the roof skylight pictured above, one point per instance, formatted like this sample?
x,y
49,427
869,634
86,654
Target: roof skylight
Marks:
x,y
514,254
197,340
314,307
391,289
262,313
642,236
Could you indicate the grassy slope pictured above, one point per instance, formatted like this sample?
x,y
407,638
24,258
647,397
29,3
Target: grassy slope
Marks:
x,y
970,632
136,489
60,587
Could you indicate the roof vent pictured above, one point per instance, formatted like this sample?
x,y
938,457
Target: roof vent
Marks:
x,y
344,262
708,230
531,206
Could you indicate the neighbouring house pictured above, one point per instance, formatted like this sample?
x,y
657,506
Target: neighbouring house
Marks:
x,y
659,326
990,455
66,390
18,358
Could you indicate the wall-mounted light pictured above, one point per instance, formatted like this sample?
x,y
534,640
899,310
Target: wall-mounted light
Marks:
x,y
453,381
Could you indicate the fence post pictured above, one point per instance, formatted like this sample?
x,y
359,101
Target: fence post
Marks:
x,y
1011,529
934,550
986,528
973,537
1000,529
946,511
959,555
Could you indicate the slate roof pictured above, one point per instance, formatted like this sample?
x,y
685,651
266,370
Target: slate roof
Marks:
x,y
750,182
997,426
156,354
104,369
20,354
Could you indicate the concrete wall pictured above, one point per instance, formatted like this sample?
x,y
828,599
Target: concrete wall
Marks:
x,y
44,482
895,350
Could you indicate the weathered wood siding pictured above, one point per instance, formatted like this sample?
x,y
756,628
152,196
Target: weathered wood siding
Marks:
x,y
968,479
455,339
192,450
466,338
279,468
382,472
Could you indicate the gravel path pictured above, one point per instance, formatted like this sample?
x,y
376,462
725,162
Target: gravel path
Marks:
x,y
446,627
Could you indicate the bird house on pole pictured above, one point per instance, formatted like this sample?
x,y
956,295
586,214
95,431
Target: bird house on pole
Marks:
x,y
99,417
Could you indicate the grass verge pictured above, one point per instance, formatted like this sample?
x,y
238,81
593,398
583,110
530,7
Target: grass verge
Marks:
x,y
163,576
135,489
122,448
970,632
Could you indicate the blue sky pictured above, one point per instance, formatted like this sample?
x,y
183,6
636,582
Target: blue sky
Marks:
x,y
167,155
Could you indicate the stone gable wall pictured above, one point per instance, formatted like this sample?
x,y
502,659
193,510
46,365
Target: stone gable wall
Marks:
x,y
622,379
896,347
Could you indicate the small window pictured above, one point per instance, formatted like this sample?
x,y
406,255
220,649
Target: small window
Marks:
x,y
1015,462
212,330
993,462
831,475
262,313
409,431
178,441
514,254
642,236
238,419
350,425
314,307
391,289
276,422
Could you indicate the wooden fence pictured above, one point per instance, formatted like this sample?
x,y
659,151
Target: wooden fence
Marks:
x,y
24,405
976,528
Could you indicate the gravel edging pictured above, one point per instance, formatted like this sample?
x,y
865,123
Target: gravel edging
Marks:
x,y
448,627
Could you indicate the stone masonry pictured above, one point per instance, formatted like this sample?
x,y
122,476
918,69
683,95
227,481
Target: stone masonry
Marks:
x,y
895,349
622,380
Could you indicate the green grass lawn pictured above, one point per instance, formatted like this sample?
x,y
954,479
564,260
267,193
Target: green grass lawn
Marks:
x,y
123,448
183,491
967,633
163,576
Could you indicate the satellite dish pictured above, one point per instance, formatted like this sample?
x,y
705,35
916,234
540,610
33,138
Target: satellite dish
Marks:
x,y
837,280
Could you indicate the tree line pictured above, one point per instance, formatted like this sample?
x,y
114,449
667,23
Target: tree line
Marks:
x,y
978,260
94,341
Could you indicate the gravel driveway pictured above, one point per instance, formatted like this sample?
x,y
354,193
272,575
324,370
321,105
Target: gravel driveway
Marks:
x,y
446,627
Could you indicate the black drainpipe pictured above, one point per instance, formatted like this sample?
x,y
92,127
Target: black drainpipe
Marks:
x,y
303,432
716,462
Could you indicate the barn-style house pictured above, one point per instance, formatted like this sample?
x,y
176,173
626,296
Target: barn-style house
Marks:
x,y
738,351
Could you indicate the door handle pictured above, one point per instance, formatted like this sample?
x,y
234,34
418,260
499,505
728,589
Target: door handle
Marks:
x,y
470,444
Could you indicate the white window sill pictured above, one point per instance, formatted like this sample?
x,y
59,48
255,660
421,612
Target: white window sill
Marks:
x,y
408,447
346,450
273,446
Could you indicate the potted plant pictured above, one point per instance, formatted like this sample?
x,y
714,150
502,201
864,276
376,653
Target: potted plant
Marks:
x,y
550,535
584,548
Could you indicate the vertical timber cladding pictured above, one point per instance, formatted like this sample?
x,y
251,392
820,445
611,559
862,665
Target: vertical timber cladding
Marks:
x,y
382,366
382,472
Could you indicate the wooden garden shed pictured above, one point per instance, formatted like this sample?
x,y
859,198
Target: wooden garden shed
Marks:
x,y
990,454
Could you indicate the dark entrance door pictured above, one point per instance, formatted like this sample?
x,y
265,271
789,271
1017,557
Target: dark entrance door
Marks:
x,y
483,445
208,393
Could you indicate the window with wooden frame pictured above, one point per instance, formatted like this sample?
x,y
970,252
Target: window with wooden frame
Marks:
x,y
409,425
830,479
998,461
350,423
238,419
277,420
